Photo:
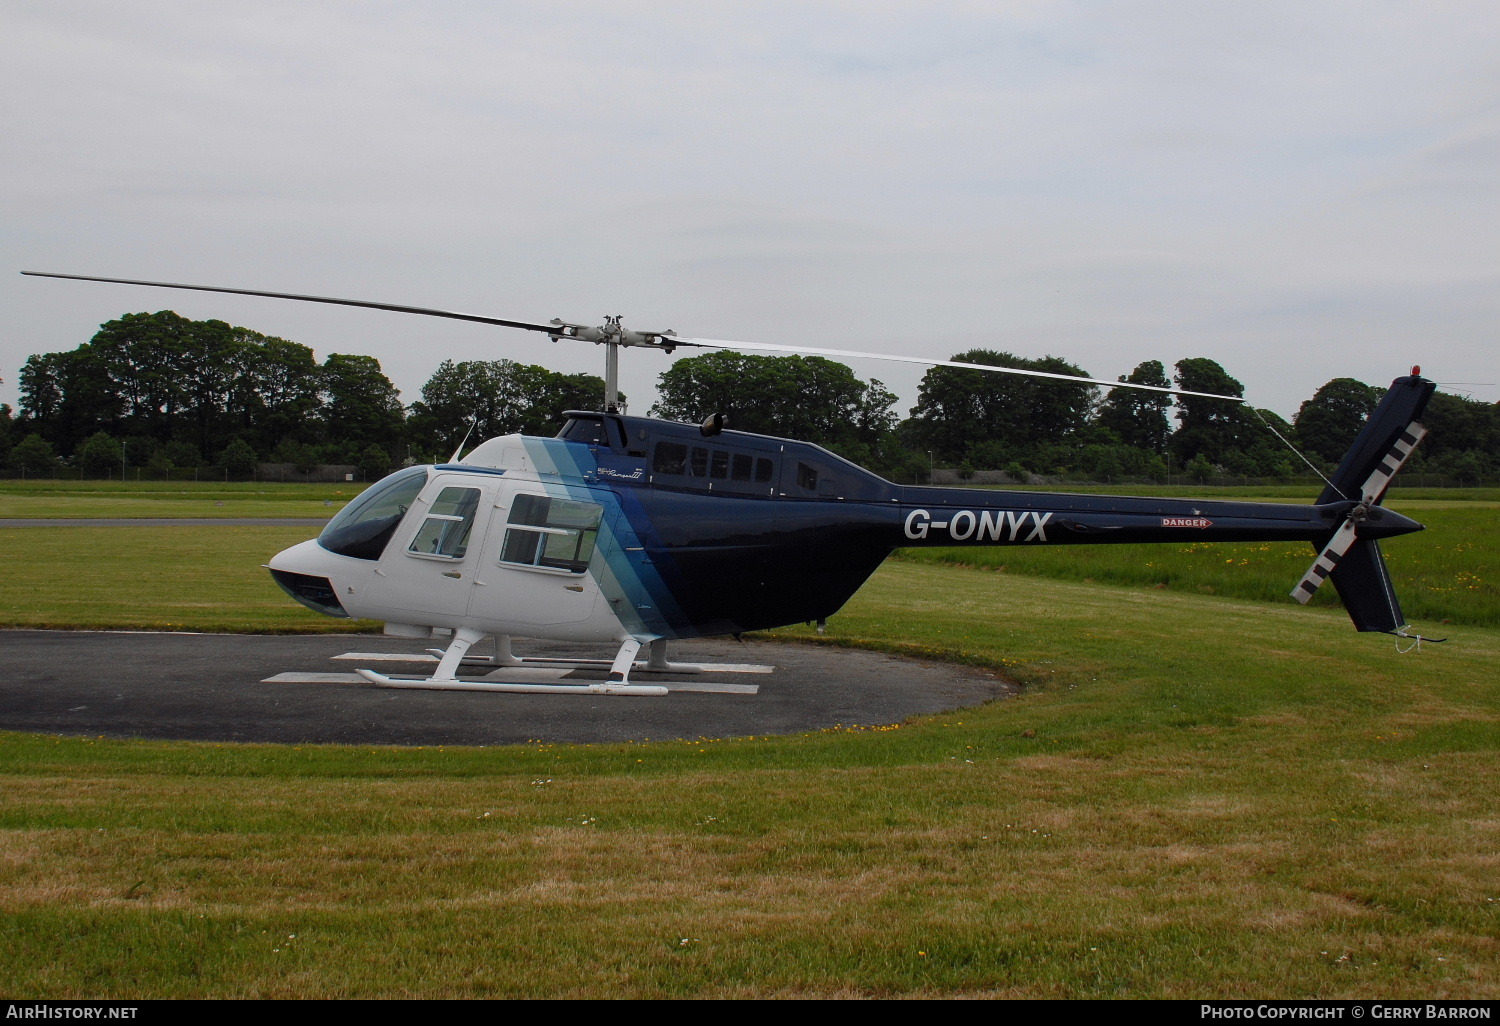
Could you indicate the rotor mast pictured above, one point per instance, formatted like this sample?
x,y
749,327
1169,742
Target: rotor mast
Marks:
x,y
612,335
612,377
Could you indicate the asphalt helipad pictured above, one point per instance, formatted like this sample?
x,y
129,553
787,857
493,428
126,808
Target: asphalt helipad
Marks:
x,y
232,687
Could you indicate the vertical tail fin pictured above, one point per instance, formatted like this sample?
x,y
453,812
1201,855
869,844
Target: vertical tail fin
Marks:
x,y
1354,564
1365,586
1386,440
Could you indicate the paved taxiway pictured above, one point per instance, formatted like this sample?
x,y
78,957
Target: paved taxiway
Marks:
x,y
212,687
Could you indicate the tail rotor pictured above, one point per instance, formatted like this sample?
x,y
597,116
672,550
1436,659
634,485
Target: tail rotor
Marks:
x,y
1354,564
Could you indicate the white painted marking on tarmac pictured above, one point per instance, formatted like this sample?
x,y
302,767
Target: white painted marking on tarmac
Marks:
x,y
544,661
523,675
314,678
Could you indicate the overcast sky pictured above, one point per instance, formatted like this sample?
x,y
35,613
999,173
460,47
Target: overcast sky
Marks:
x,y
1299,190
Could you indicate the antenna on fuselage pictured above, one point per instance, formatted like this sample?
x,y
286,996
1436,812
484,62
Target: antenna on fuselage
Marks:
x,y
457,453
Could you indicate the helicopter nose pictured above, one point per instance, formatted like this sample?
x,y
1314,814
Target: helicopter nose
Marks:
x,y
296,570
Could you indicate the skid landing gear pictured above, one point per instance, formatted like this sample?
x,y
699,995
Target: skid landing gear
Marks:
x,y
445,677
656,660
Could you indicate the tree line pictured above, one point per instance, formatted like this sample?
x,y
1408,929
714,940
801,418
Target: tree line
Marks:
x,y
160,391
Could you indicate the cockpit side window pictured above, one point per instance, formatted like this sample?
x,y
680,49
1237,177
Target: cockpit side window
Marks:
x,y
445,532
364,527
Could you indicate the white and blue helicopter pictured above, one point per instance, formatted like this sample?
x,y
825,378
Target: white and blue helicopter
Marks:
x,y
636,531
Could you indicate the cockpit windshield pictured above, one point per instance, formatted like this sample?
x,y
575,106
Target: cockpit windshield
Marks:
x,y
364,527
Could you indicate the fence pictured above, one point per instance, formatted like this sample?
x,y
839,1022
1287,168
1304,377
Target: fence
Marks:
x,y
265,472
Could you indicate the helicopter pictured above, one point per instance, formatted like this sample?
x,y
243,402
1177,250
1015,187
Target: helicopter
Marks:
x,y
637,531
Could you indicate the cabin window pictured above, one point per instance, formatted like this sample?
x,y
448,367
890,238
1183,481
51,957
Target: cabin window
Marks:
x,y
670,458
720,465
807,477
364,527
554,533
444,534
765,470
740,470
698,465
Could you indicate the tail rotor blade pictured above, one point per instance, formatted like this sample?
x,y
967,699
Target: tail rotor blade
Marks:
x,y
1400,451
1324,564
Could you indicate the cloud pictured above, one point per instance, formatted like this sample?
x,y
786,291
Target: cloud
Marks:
x,y
1299,191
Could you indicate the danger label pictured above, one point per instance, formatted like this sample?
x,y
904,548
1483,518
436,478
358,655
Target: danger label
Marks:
x,y
1186,522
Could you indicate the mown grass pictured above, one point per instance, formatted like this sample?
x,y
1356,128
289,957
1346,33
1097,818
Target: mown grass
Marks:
x,y
152,578
85,499
1194,796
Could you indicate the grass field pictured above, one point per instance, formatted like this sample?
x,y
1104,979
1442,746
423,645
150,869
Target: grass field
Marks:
x,y
1195,795
84,499
152,578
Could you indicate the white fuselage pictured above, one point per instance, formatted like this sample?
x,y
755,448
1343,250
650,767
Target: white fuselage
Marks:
x,y
423,579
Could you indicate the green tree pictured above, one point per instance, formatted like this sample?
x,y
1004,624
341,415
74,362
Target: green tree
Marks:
x,y
1211,427
299,455
99,455
1199,468
163,376
140,450
1138,417
374,462
280,394
69,396
958,408
805,397
362,406
499,397
239,458
179,453
33,454
1458,424
1326,424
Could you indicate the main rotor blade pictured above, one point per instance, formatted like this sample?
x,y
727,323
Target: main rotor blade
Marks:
x,y
396,307
714,343
703,343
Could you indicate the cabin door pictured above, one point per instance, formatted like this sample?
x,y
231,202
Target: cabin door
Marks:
x,y
430,567
538,554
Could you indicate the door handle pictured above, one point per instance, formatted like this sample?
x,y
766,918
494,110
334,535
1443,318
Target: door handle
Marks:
x,y
452,573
